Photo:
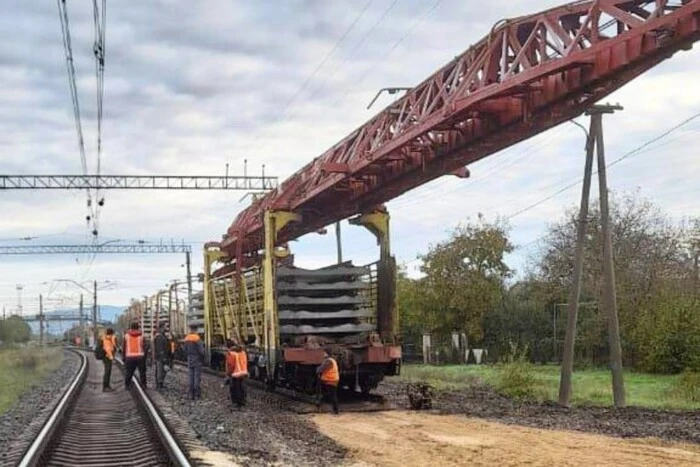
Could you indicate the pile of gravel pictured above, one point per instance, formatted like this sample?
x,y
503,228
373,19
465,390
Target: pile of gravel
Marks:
x,y
260,434
22,422
481,401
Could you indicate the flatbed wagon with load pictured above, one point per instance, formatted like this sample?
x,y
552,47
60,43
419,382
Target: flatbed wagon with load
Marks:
x,y
288,316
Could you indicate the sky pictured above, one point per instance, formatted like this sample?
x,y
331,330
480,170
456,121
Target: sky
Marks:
x,y
193,86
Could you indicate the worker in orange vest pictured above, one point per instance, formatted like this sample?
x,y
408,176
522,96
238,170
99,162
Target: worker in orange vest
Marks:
x,y
329,377
196,356
134,355
237,371
109,344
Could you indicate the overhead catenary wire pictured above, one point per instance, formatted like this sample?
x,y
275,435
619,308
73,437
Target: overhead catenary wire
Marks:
x,y
614,162
635,151
100,26
68,50
285,109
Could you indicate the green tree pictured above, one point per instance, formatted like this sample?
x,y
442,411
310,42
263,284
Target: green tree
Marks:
x,y
651,268
14,330
464,278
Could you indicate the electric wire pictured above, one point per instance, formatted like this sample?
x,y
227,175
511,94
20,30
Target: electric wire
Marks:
x,y
283,113
628,154
100,25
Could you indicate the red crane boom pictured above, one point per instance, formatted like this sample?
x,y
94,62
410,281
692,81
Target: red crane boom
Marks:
x,y
526,75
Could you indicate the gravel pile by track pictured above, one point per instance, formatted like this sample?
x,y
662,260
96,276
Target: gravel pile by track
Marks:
x,y
632,422
24,420
258,435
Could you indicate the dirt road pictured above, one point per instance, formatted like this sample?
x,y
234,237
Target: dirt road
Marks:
x,y
401,438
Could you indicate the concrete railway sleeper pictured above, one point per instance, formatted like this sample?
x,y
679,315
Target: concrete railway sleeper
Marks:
x,y
89,427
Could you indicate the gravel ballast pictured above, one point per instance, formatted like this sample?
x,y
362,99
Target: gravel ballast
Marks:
x,y
260,434
22,422
632,422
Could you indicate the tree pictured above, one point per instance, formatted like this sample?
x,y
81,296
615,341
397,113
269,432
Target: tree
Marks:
x,y
650,261
464,278
14,330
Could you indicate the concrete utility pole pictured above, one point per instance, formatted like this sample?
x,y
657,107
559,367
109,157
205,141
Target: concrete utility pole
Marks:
x,y
594,139
338,242
188,262
94,313
41,319
83,337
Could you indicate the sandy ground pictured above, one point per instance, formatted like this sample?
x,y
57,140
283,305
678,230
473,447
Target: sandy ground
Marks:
x,y
401,438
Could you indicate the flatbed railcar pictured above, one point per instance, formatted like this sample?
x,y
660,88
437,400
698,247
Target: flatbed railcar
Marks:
x,y
287,316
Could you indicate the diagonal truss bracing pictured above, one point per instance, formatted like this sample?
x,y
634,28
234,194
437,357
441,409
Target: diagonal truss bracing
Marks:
x,y
525,76
79,249
136,182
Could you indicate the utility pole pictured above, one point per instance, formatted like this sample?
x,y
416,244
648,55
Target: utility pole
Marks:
x,y
609,292
338,242
567,363
594,139
188,262
41,319
171,321
94,313
83,337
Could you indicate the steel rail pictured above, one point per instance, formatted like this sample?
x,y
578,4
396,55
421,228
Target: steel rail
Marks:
x,y
32,455
174,449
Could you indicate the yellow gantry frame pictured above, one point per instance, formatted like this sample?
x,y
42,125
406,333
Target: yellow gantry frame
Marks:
x,y
377,222
210,257
274,222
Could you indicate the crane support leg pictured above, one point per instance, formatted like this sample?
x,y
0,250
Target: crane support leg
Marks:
x,y
210,257
377,222
274,222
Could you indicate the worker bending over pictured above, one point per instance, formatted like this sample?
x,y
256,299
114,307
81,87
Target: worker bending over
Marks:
x,y
109,344
329,377
134,355
194,350
237,371
161,349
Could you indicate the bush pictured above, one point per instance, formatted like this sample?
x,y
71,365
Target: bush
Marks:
x,y
516,377
687,386
25,361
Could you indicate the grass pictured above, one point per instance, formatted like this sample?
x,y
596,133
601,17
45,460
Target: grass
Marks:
x,y
591,386
22,368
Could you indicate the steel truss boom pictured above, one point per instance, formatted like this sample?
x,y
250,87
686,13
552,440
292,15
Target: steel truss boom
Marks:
x,y
136,182
525,76
79,249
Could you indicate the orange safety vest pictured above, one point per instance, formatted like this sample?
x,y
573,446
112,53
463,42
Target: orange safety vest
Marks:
x,y
237,364
133,346
109,344
331,375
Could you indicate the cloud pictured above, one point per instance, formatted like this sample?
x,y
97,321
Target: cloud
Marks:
x,y
191,87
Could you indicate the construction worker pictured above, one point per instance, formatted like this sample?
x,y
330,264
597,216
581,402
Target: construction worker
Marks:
x,y
329,377
134,355
161,350
194,351
237,371
109,344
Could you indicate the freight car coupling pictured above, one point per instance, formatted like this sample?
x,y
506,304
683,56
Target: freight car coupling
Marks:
x,y
288,316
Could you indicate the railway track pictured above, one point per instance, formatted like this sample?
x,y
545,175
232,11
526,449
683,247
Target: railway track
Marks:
x,y
89,427
287,399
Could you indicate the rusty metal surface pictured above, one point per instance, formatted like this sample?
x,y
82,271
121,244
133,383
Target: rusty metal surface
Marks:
x,y
105,428
526,75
